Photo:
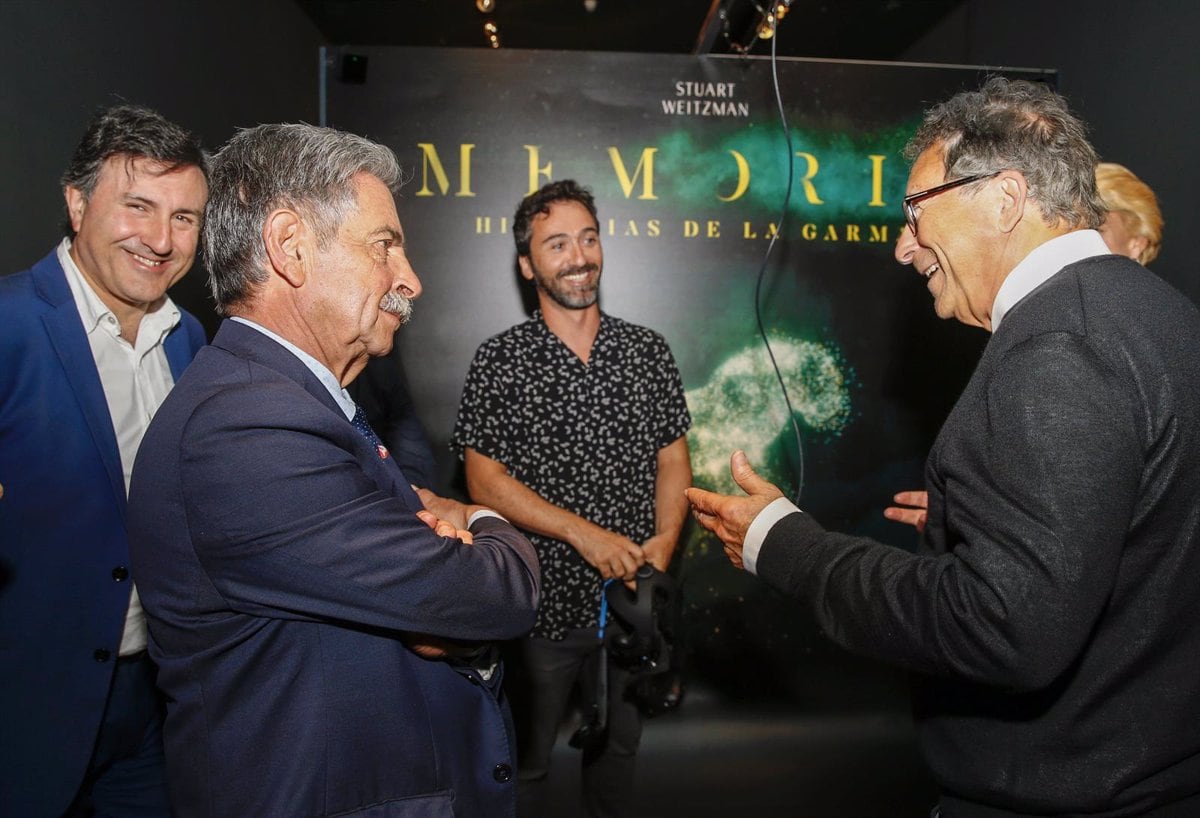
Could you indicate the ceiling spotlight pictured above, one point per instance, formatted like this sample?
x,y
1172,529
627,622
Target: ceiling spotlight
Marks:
x,y
492,33
486,6
781,10
766,29
589,5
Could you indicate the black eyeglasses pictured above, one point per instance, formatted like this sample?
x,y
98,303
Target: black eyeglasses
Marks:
x,y
910,210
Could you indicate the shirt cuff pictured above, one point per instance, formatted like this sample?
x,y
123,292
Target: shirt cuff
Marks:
x,y
760,527
483,512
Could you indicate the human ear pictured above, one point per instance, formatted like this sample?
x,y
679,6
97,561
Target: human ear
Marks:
x,y
526,267
1137,247
284,236
76,205
1014,196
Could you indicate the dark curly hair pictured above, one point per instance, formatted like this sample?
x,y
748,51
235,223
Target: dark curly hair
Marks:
x,y
565,190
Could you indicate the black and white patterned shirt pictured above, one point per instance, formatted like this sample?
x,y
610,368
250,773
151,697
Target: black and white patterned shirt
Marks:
x,y
585,437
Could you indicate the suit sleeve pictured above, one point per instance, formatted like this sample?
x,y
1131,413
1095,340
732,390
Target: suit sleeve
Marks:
x,y
1033,505
287,524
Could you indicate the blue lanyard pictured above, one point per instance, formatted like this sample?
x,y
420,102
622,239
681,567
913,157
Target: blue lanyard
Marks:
x,y
603,607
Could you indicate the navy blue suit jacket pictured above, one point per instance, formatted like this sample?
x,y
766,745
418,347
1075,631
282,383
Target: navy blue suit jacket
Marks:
x,y
62,538
283,564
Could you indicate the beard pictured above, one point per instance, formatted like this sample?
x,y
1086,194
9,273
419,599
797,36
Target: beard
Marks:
x,y
398,306
566,294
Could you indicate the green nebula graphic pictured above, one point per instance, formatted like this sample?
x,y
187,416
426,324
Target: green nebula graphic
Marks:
x,y
701,169
741,406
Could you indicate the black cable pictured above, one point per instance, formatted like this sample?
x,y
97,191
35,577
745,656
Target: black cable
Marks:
x,y
787,198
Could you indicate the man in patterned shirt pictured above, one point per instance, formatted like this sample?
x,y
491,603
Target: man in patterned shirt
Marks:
x,y
572,425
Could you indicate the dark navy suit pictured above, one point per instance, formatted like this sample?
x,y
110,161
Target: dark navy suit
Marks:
x,y
64,557
284,565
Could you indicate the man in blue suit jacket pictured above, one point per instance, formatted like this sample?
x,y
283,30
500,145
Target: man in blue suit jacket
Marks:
x,y
89,344
321,631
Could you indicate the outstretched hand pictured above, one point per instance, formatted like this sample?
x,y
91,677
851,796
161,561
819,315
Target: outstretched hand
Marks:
x,y
911,508
728,516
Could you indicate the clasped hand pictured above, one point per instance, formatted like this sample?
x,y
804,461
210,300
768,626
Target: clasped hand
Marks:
x,y
614,556
447,518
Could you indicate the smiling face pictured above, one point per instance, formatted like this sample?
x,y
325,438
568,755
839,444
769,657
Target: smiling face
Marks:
x,y
565,258
136,234
949,247
362,281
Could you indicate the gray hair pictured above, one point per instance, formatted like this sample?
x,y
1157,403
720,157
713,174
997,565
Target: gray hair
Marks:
x,y
1023,126
304,167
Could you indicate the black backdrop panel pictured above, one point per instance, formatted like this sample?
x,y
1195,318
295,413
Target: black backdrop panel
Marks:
x,y
689,162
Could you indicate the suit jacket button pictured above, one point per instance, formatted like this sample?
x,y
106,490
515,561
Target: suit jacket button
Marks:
x,y
502,773
120,573
101,655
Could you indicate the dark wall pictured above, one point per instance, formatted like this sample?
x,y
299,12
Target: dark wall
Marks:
x,y
1130,69
211,65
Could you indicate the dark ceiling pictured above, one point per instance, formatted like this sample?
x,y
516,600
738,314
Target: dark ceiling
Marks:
x,y
847,29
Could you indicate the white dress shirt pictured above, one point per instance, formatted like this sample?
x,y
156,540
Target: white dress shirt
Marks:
x,y
1036,268
136,378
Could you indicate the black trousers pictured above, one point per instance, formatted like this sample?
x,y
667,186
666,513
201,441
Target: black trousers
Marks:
x,y
552,669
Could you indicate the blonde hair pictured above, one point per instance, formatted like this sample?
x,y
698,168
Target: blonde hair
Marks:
x,y
1127,195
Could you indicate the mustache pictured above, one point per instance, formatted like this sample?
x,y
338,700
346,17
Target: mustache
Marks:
x,y
582,268
397,305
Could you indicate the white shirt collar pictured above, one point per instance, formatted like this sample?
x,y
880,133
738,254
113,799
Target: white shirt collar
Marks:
x,y
324,375
1041,265
93,311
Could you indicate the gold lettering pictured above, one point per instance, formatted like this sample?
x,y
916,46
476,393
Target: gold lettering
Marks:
x,y
852,233
653,228
691,229
714,229
645,163
483,224
631,228
743,182
747,232
879,234
830,233
535,172
810,191
876,180
431,161
809,231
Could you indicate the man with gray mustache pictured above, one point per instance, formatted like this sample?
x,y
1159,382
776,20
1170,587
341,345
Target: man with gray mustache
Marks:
x,y
322,630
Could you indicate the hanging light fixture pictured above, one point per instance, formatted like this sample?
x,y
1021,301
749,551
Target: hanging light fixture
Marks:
x,y
486,6
766,28
492,33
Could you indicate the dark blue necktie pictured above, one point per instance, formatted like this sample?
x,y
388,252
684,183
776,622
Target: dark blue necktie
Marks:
x,y
359,422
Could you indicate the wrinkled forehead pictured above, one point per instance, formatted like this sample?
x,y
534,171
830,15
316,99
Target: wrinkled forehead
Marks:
x,y
929,170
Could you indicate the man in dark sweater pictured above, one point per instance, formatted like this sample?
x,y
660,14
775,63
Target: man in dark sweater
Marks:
x,y
1050,614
